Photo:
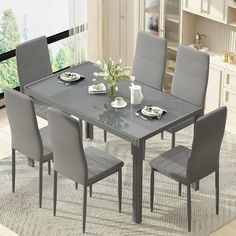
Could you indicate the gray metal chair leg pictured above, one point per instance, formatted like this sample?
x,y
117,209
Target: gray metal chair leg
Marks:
x,y
217,190
180,187
76,185
189,206
40,183
162,135
13,156
105,136
120,188
90,190
152,190
84,207
173,139
49,167
55,193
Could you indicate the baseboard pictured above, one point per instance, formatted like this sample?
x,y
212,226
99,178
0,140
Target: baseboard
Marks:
x,y
2,103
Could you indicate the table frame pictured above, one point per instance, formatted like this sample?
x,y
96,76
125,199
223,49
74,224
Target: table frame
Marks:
x,y
137,144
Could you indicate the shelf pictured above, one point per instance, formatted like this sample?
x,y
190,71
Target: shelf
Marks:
x,y
172,18
153,9
171,73
233,23
172,44
167,83
170,66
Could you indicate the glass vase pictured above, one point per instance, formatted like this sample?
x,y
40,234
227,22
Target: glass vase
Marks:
x,y
112,90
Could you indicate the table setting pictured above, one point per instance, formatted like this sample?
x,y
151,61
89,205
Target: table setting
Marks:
x,y
68,78
112,71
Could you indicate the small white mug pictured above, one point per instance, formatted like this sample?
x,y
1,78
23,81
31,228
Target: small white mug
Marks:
x,y
136,95
119,101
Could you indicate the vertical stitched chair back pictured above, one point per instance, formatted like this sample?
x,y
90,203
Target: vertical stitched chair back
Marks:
x,y
209,131
33,61
191,75
68,152
25,134
150,60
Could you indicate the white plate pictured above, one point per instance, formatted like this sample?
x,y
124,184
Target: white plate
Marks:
x,y
69,76
152,111
97,88
113,104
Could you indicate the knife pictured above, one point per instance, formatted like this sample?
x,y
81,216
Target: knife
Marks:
x,y
137,114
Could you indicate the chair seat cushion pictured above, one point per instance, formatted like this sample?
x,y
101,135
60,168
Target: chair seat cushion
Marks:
x,y
173,163
100,164
46,139
47,146
41,109
47,155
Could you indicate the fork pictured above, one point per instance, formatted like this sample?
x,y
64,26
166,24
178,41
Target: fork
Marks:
x,y
65,83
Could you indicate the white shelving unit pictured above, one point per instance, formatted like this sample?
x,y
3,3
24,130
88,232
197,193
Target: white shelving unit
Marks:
x,y
162,18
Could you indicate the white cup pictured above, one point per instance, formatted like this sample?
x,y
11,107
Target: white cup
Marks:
x,y
136,95
119,101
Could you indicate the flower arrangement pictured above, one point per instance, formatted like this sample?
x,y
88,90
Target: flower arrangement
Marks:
x,y
112,72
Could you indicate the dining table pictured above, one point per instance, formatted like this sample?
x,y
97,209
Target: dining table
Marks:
x,y
95,109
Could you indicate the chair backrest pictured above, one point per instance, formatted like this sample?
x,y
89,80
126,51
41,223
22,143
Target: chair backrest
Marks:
x,y
25,134
191,75
33,61
67,147
208,135
150,60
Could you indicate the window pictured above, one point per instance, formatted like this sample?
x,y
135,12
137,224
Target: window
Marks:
x,y
26,19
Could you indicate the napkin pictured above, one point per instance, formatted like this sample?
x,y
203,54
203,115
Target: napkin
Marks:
x,y
97,88
154,111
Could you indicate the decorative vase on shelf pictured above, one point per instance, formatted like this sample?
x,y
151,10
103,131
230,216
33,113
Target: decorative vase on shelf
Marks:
x,y
113,71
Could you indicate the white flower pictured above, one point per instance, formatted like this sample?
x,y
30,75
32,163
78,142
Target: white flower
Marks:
x,y
132,78
95,74
120,60
99,63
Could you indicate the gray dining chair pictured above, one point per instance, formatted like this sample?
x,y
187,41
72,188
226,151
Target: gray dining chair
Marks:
x,y
84,166
188,166
25,134
33,63
149,61
189,81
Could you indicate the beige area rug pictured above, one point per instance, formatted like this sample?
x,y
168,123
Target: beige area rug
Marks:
x,y
21,214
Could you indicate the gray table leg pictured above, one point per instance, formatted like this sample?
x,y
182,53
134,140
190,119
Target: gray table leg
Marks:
x,y
195,186
138,155
89,130
144,148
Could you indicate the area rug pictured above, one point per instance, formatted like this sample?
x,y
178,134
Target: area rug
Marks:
x,y
20,211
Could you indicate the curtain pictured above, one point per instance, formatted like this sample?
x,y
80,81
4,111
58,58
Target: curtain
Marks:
x,y
85,18
95,29
78,24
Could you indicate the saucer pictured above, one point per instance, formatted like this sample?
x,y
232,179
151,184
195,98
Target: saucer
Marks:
x,y
124,104
70,76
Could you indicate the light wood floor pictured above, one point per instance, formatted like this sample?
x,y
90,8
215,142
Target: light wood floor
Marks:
x,y
5,150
